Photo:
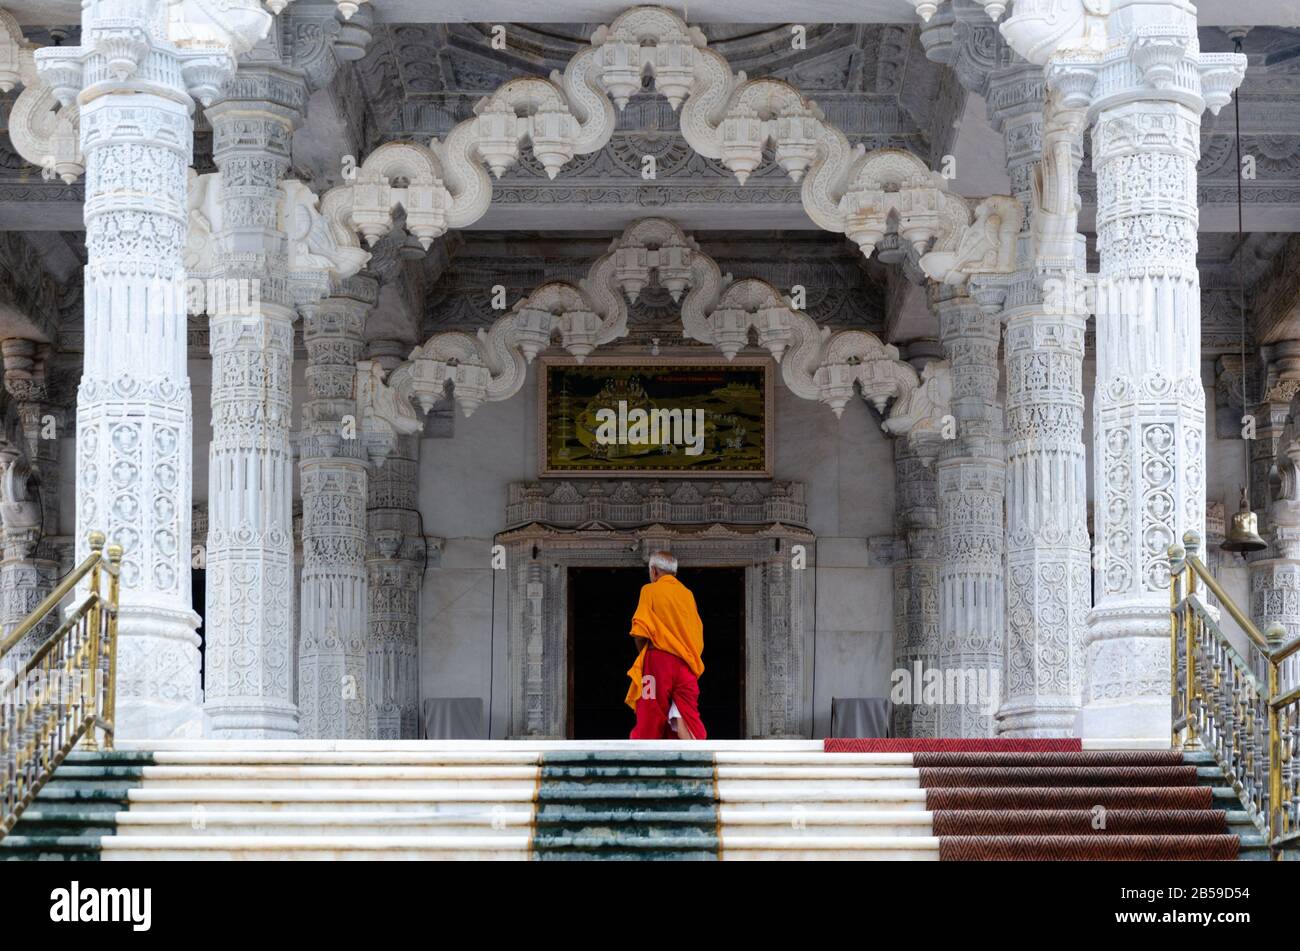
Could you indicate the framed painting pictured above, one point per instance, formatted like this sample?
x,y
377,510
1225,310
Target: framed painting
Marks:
x,y
674,418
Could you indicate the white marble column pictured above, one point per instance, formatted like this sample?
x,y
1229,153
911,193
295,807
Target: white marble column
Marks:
x,y
133,85
395,560
249,664
29,496
1149,409
332,650
916,584
970,474
1049,575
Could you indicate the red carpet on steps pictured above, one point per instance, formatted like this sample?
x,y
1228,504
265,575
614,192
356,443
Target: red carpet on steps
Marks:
x,y
904,745
1049,800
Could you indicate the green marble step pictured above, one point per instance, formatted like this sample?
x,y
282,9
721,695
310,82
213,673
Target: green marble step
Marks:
x,y
45,848
577,854
1253,844
626,805
77,807
552,790
597,773
605,813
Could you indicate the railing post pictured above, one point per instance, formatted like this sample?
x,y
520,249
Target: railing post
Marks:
x,y
1176,566
110,642
1192,544
1276,634
96,540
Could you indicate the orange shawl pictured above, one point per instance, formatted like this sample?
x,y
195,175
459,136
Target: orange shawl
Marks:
x,y
667,619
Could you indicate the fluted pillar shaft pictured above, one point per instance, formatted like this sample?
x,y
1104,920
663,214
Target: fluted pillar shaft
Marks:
x,y
970,475
332,647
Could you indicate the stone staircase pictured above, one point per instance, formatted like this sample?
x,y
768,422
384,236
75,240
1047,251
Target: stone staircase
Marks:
x,y
620,800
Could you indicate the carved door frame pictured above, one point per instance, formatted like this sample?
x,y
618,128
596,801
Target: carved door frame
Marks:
x,y
778,599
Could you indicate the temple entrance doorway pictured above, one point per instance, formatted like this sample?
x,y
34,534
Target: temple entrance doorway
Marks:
x,y
600,606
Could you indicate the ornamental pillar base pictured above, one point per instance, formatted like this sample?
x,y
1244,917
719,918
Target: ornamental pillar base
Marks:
x,y
1127,691
256,719
158,691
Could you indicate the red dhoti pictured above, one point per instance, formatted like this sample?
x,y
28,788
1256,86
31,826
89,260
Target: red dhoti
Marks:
x,y
667,680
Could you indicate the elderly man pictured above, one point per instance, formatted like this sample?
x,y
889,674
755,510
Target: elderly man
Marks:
x,y
665,690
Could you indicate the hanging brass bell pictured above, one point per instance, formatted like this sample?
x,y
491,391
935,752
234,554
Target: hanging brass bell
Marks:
x,y
1243,534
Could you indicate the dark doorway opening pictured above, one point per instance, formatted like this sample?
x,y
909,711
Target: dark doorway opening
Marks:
x,y
601,603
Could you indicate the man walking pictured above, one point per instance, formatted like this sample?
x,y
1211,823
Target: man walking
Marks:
x,y
665,678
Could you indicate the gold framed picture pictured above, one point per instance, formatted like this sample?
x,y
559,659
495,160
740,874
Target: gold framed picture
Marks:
x,y
681,418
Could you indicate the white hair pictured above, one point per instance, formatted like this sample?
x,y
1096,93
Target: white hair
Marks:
x,y
664,561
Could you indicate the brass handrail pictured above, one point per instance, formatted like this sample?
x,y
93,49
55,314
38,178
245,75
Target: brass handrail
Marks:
x,y
1220,705
66,690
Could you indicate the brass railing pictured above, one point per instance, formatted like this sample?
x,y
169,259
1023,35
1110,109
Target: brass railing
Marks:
x,y
1230,708
65,691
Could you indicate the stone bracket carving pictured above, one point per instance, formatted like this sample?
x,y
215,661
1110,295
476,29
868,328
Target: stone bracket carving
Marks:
x,y
314,263
724,116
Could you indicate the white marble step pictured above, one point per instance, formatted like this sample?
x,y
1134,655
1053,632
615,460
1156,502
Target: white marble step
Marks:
x,y
297,797
859,848
381,757
335,777
810,758
888,794
900,776
314,847
451,819
800,822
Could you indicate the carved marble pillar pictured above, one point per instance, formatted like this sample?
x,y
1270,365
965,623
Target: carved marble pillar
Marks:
x,y
132,78
1149,409
395,559
1275,573
332,648
29,494
916,583
1048,581
250,475
970,475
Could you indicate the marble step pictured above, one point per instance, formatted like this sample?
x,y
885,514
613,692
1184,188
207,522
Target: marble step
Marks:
x,y
459,820
334,777
741,846
321,847
285,798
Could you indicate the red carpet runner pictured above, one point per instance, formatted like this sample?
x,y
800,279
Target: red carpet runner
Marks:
x,y
901,745
1044,800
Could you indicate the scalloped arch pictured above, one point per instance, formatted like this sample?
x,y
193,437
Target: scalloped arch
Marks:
x,y
492,365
